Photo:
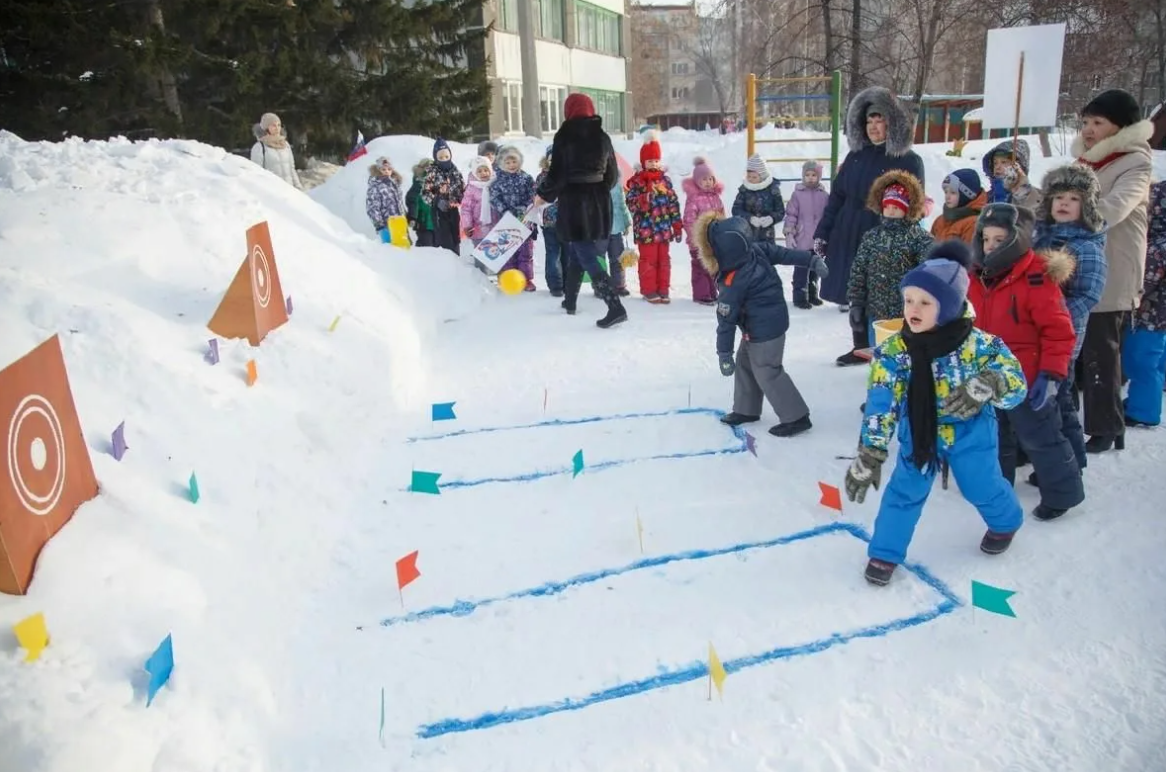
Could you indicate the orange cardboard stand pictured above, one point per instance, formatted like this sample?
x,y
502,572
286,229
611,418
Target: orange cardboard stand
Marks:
x,y
45,470
254,304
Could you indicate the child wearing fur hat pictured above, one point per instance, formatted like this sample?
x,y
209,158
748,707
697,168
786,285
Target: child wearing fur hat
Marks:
x,y
1016,295
750,297
656,221
382,199
1068,221
488,150
419,213
805,210
759,200
553,270
887,251
1144,345
442,190
478,215
934,386
702,193
513,191
963,200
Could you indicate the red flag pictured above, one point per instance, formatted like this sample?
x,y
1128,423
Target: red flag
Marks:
x,y
831,497
407,570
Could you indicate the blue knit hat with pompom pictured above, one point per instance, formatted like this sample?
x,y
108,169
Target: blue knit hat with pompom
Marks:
x,y
944,276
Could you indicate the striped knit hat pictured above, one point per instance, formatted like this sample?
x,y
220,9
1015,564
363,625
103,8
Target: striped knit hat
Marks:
x,y
757,164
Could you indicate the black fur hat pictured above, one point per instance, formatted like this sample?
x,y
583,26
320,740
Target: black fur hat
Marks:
x,y
1080,179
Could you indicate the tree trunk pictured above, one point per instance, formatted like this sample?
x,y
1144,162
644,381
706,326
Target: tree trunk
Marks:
x,y
857,79
828,34
166,80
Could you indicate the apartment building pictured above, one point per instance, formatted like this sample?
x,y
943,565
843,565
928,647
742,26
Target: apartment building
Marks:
x,y
671,55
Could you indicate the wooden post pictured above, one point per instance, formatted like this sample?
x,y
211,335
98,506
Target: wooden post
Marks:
x,y
750,112
1019,95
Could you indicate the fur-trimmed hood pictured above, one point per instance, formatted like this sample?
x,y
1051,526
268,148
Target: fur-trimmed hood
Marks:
x,y
722,243
1134,138
509,150
375,171
688,184
899,124
874,198
421,167
1059,264
1005,148
1078,178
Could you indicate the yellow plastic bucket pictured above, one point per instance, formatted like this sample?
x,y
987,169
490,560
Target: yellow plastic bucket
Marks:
x,y
885,328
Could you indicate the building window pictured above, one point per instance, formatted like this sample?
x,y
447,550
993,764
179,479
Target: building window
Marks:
x,y
680,68
508,15
598,29
512,106
548,20
680,93
552,98
608,106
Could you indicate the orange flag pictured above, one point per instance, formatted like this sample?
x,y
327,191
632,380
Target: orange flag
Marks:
x,y
407,570
831,496
252,372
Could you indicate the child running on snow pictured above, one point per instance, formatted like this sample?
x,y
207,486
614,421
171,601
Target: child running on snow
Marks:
x,y
759,200
933,386
750,297
513,191
478,216
656,221
419,213
806,207
1144,347
887,252
383,197
1016,295
702,193
442,191
963,200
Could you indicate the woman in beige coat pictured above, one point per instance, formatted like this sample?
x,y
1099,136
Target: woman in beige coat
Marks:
x,y
272,151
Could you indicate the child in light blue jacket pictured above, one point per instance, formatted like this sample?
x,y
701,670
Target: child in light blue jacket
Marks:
x,y
621,221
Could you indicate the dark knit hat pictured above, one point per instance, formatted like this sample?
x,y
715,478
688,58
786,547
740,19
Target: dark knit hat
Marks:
x,y
944,276
438,145
1018,221
1116,106
896,195
965,182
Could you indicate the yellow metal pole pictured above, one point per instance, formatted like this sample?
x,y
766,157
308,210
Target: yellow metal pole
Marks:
x,y
750,111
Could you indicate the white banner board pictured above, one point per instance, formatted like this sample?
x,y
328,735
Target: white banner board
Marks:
x,y
501,243
1042,47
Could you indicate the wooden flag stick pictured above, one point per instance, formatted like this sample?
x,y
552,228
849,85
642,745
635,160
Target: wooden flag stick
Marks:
x,y
1016,119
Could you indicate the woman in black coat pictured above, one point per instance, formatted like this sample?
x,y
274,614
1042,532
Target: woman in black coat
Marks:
x,y
879,131
583,170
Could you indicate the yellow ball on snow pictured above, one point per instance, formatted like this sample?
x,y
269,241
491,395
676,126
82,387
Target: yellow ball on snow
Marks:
x,y
512,282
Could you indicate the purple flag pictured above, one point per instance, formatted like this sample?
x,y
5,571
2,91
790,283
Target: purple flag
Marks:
x,y
119,441
289,305
751,443
212,354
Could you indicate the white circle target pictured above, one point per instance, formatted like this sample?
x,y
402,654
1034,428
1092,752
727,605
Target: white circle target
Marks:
x,y
38,503
261,280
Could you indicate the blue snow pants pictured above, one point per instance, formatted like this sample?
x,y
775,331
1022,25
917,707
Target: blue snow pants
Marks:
x,y
555,257
974,460
1143,358
1071,419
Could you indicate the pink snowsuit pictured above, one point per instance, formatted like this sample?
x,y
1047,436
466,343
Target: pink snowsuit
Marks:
x,y
696,203
471,206
803,214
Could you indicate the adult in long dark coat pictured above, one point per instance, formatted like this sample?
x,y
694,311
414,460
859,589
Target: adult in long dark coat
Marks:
x,y
583,170
879,132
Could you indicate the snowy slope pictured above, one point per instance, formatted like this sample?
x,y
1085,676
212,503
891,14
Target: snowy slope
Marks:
x,y
279,586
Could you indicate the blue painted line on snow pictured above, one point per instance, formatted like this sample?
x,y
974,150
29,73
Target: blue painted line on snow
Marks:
x,y
693,671
738,432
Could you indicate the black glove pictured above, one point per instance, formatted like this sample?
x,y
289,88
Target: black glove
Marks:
x,y
728,367
858,320
533,233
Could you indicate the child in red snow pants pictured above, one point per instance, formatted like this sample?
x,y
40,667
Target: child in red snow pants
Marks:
x,y
655,270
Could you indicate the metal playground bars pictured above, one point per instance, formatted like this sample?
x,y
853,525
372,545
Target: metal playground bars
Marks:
x,y
834,98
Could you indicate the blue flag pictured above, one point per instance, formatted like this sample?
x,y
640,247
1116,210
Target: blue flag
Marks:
x,y
159,666
577,463
443,411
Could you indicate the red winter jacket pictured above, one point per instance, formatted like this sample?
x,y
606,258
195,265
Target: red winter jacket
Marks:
x,y
1026,309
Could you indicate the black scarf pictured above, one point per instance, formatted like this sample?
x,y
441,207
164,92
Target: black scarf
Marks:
x,y
924,348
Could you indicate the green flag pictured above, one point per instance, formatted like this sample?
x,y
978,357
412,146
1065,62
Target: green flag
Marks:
x,y
193,488
577,463
994,599
425,482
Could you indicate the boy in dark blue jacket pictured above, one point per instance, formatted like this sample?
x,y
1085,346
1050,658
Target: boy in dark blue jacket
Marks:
x,y
750,297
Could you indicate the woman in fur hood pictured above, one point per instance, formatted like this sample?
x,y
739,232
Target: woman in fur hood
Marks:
x,y
272,151
878,130
383,199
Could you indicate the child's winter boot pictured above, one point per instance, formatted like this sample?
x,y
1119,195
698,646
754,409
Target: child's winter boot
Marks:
x,y
994,543
879,572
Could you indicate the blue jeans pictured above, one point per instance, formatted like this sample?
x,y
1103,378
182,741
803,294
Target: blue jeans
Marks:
x,y
555,255
1144,361
615,248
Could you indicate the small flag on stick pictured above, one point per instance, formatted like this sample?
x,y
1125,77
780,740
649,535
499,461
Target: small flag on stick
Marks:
x,y
716,673
443,411
33,636
159,666
252,372
425,482
831,496
577,463
212,352
193,489
640,532
994,599
332,327
751,444
289,305
382,730
406,573
119,441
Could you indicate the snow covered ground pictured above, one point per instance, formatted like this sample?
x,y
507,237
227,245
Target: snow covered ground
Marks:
x,y
538,636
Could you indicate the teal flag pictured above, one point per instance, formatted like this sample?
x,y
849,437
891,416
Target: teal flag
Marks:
x,y
194,496
994,599
577,463
443,411
425,482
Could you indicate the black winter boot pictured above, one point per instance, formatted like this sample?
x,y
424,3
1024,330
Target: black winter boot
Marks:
x,y
812,292
801,300
572,282
1045,512
994,543
792,428
736,419
616,314
878,572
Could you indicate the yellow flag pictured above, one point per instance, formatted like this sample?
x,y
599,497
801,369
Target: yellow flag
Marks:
x,y
716,672
332,327
32,635
399,231
640,532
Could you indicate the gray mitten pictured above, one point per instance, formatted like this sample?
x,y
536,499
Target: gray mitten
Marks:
x,y
864,472
969,398
818,266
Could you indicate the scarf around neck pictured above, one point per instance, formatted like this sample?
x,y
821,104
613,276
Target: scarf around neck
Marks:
x,y
484,213
274,141
922,411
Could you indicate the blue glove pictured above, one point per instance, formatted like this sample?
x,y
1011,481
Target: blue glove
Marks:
x,y
999,192
1043,391
727,366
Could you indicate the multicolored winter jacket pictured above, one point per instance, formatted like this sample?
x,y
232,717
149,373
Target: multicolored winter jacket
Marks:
x,y
441,175
654,206
1082,290
890,376
382,200
885,255
1151,313
550,212
697,202
760,199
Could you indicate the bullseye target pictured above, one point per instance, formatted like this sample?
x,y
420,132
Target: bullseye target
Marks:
x,y
260,276
36,454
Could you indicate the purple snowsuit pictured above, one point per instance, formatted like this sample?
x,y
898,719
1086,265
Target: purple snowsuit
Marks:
x,y
514,192
696,203
805,210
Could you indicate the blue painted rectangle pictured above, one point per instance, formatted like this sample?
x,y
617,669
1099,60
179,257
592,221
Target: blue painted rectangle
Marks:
x,y
523,453
570,644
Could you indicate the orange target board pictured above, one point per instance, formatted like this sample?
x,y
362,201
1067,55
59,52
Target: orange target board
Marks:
x,y
254,304
45,470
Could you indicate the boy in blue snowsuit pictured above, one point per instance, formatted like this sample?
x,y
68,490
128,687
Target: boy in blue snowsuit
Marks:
x,y
750,297
935,385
